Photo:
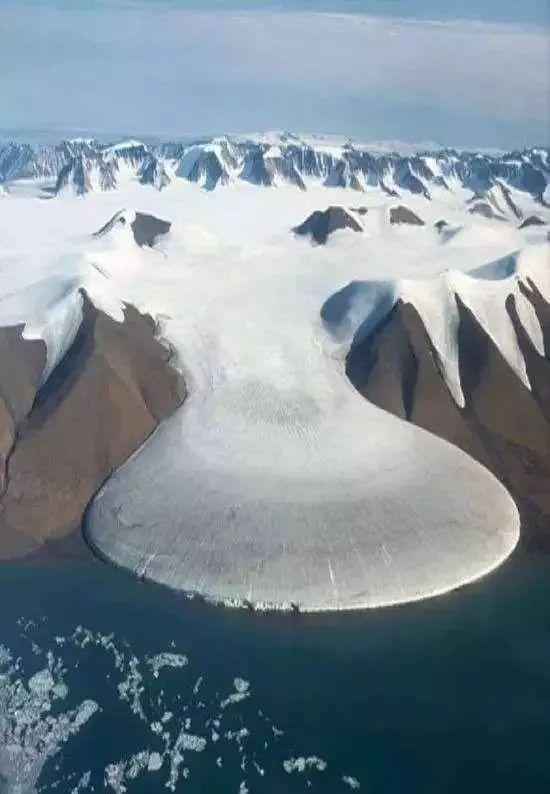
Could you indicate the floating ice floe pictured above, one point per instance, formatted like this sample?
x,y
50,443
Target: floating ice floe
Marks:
x,y
38,718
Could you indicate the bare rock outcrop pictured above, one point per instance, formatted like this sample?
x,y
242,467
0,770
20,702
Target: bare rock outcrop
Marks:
x,y
320,225
19,381
532,220
485,210
60,441
146,229
401,214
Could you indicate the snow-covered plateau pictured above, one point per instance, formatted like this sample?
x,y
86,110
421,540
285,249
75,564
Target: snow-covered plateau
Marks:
x,y
276,484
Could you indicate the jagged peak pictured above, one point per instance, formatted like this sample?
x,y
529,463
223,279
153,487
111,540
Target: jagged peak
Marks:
x,y
275,158
353,313
144,228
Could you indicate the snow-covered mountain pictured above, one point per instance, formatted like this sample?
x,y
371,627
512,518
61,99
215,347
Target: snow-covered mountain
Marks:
x,y
83,165
467,357
277,483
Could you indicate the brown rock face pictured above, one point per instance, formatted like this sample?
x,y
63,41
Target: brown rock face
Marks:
x,y
484,209
320,225
146,229
19,381
503,425
403,214
532,220
112,388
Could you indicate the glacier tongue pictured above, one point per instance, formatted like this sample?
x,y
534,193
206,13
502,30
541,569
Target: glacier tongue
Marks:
x,y
250,495
276,484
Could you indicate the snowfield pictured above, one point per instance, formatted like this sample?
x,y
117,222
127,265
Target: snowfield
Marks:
x,y
276,484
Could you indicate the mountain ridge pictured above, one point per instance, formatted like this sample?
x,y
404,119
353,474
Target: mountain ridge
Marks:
x,y
84,165
482,382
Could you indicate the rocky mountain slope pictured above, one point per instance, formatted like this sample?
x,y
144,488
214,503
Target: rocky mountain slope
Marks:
x,y
60,441
66,423
468,358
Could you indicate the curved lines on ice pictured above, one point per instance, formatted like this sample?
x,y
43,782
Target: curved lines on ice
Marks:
x,y
247,531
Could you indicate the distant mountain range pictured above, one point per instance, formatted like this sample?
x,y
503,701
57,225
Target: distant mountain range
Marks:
x,y
84,165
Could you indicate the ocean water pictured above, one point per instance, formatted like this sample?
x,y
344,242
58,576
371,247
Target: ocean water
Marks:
x,y
111,684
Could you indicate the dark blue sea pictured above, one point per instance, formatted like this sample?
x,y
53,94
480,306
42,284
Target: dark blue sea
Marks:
x,y
111,684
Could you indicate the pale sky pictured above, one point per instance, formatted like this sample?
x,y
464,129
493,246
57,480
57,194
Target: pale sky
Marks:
x,y
459,72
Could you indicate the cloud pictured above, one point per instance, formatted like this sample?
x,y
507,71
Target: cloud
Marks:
x,y
459,64
164,69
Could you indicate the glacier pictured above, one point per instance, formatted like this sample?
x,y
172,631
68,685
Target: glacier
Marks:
x,y
276,485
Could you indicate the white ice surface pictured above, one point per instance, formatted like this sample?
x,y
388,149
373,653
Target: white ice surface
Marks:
x,y
276,483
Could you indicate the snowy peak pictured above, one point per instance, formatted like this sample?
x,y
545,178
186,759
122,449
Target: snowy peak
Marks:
x,y
467,357
145,228
152,172
89,166
203,166
487,293
278,159
22,161
130,151
255,170
86,172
